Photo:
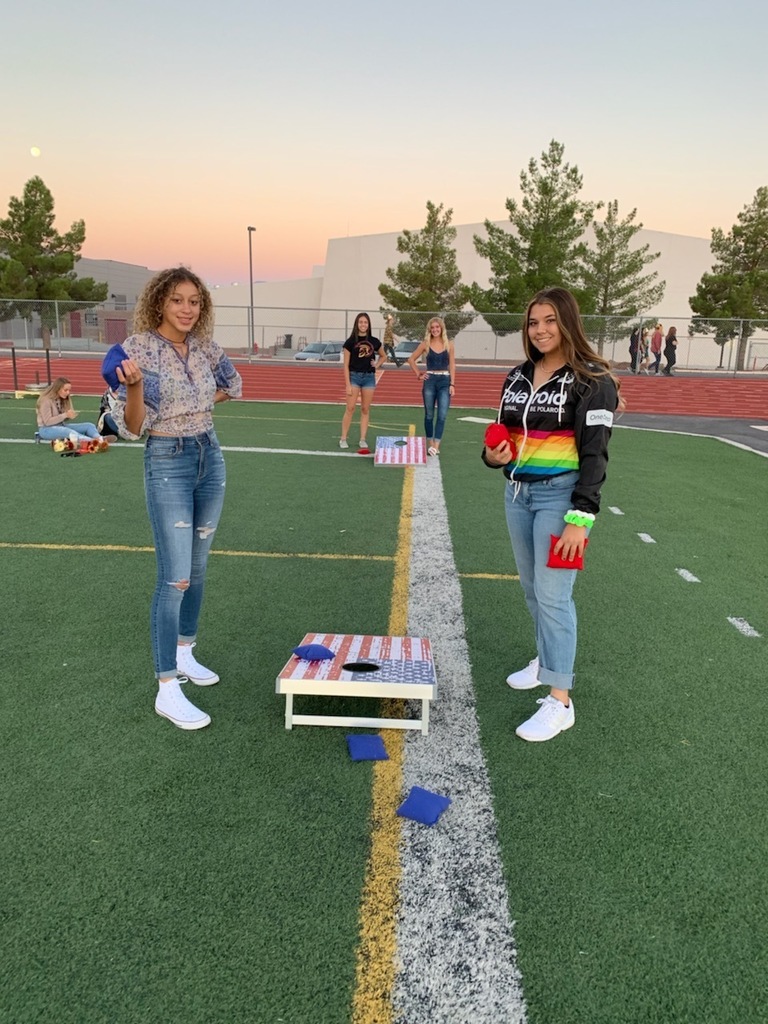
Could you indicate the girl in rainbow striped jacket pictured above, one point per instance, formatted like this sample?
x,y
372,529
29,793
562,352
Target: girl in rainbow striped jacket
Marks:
x,y
558,407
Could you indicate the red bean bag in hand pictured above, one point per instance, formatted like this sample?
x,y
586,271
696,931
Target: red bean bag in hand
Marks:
x,y
495,434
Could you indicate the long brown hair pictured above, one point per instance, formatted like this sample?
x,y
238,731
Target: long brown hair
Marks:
x,y
52,391
148,314
579,354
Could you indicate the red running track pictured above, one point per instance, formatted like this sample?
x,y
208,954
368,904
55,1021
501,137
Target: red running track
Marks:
x,y
737,398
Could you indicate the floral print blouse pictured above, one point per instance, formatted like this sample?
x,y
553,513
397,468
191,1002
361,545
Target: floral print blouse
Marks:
x,y
178,393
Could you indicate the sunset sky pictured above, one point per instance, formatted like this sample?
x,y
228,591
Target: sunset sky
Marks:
x,y
170,127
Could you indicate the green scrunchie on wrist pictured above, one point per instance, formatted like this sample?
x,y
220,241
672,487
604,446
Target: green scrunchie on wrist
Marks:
x,y
579,518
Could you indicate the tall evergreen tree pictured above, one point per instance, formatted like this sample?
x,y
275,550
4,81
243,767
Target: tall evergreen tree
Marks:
x,y
735,292
428,283
615,285
545,246
36,262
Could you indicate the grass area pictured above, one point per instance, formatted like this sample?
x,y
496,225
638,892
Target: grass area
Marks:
x,y
151,874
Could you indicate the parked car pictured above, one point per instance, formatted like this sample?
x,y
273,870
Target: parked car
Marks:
x,y
404,349
321,351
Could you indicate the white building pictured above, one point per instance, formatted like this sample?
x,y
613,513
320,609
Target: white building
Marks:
x,y
289,314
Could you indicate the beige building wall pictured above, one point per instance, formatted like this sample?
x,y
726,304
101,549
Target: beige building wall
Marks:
x,y
326,304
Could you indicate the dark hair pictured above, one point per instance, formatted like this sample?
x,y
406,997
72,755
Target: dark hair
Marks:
x,y
671,333
354,335
148,314
579,354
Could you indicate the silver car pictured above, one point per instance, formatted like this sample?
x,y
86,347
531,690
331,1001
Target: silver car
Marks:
x,y
321,351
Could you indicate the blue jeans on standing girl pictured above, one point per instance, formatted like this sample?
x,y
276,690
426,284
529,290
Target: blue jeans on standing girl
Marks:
x,y
184,480
534,512
436,394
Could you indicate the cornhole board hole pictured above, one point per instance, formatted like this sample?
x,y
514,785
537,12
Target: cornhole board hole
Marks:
x,y
404,668
400,451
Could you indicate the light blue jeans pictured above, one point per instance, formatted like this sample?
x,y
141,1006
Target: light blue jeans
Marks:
x,y
184,481
435,393
535,512
63,431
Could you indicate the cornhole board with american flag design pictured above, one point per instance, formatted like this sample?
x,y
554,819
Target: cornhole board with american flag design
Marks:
x,y
400,451
406,670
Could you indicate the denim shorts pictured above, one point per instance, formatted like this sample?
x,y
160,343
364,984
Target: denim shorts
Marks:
x,y
362,380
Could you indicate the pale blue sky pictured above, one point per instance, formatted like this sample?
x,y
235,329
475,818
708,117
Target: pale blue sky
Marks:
x,y
170,127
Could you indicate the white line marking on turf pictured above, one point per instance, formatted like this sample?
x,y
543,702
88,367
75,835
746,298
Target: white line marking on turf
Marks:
x,y
616,511
691,433
646,538
688,576
743,626
351,454
475,419
455,945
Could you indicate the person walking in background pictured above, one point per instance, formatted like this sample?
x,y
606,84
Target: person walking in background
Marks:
x,y
634,343
389,341
643,352
56,414
558,407
438,387
174,375
657,339
670,351
363,355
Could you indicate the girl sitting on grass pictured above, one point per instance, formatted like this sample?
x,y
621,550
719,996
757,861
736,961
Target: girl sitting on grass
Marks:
x,y
55,414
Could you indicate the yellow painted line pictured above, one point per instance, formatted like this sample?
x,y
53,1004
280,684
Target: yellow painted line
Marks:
x,y
377,945
231,554
486,576
75,547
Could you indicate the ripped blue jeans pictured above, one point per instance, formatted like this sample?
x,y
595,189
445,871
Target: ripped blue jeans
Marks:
x,y
184,481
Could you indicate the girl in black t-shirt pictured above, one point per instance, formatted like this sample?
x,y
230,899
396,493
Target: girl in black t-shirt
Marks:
x,y
363,355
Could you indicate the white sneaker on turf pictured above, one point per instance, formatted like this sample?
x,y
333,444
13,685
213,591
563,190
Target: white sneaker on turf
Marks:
x,y
527,678
171,703
343,443
192,669
552,718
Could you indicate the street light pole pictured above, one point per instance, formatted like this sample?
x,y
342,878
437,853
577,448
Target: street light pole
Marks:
x,y
250,283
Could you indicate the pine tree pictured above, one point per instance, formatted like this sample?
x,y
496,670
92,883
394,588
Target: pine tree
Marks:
x,y
735,292
428,283
615,287
36,265
545,246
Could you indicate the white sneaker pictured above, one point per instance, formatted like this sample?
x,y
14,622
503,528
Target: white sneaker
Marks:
x,y
552,718
343,443
527,678
192,669
173,705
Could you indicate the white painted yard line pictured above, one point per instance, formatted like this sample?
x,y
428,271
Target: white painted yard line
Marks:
x,y
139,447
646,538
691,433
743,626
475,419
688,576
455,947
616,511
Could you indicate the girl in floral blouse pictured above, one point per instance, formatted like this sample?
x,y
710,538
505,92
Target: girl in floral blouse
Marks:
x,y
174,374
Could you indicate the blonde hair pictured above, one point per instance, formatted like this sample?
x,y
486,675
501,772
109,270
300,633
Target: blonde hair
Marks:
x,y
443,334
148,314
52,391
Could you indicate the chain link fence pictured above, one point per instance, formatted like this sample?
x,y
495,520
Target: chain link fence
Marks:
x,y
277,332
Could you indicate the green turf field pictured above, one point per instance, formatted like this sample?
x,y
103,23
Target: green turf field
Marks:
x,y
154,875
